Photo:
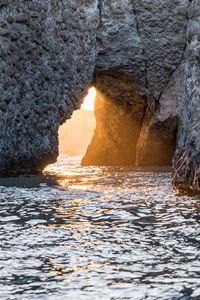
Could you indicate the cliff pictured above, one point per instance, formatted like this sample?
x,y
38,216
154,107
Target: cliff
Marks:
x,y
142,56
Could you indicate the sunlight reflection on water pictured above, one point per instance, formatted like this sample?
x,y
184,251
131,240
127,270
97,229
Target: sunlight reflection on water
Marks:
x,y
98,233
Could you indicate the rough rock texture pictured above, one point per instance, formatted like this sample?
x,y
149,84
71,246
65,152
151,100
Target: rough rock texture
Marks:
x,y
145,39
47,58
186,175
146,60
157,141
144,43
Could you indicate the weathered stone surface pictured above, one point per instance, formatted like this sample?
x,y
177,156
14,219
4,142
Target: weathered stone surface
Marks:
x,y
119,44
186,175
143,38
157,140
146,41
162,30
47,58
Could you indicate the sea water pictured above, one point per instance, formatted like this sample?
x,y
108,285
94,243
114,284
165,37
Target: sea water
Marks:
x,y
98,233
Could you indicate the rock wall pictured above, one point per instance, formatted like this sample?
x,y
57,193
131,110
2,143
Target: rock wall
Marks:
x,y
186,164
143,56
47,59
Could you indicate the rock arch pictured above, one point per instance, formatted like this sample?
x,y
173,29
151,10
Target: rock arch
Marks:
x,y
50,51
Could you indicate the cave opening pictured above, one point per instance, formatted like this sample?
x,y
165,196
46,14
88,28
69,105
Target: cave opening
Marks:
x,y
76,133
131,128
115,135
116,125
102,132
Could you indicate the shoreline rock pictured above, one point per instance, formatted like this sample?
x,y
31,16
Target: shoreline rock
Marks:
x,y
143,56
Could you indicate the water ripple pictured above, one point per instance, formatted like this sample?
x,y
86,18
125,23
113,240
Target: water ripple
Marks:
x,y
98,233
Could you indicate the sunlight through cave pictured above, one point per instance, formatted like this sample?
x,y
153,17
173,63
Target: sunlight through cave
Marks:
x,y
75,134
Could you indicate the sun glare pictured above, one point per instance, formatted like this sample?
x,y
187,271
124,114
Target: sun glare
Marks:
x,y
76,133
89,100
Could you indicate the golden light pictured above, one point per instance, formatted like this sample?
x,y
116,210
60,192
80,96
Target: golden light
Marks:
x,y
89,100
76,133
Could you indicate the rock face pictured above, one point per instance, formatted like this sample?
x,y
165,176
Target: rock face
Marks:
x,y
142,56
140,48
47,59
186,165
